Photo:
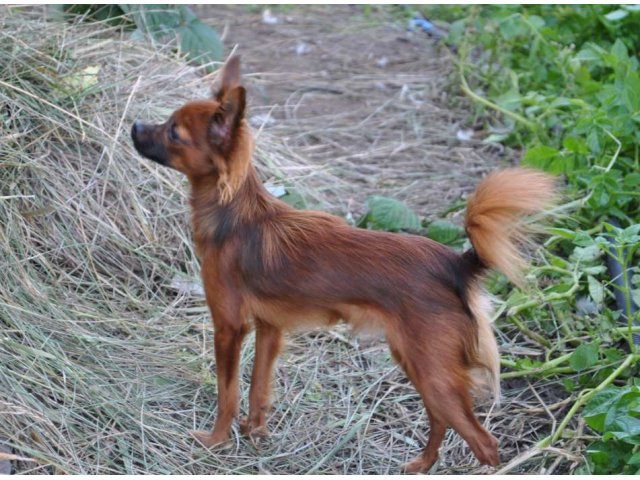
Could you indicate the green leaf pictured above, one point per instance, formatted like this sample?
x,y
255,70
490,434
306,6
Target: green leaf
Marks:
x,y
444,231
511,100
196,40
496,138
620,421
619,50
629,236
609,457
585,356
596,409
456,31
562,232
596,290
575,145
614,412
200,42
295,199
595,270
583,239
635,295
540,157
632,180
586,254
513,26
593,142
389,214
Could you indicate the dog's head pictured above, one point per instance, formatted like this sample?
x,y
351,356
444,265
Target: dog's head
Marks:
x,y
202,138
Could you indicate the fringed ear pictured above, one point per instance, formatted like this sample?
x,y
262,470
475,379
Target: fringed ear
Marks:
x,y
230,78
225,188
225,122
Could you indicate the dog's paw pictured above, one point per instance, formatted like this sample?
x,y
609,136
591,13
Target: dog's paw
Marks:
x,y
418,465
209,439
248,428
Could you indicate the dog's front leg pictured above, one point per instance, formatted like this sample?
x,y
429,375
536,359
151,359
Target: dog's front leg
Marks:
x,y
228,341
229,331
268,345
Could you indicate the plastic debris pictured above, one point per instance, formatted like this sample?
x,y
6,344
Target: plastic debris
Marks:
x,y
262,120
426,26
187,286
464,135
302,48
268,18
276,190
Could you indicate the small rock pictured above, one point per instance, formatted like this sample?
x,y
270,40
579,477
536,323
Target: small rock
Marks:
x,y
382,62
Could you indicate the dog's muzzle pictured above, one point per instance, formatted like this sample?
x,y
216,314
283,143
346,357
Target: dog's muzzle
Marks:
x,y
148,142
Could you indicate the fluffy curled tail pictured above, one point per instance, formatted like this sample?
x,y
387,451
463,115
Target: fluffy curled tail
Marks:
x,y
494,214
497,233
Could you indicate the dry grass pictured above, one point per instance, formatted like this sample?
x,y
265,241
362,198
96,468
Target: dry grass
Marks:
x,y
105,342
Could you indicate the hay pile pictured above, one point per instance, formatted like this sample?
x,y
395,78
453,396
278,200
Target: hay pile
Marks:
x,y
105,340
101,335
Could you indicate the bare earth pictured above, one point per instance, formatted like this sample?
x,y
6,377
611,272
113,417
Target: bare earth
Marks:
x,y
360,97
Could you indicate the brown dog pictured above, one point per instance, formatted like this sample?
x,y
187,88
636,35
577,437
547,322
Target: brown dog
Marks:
x,y
284,268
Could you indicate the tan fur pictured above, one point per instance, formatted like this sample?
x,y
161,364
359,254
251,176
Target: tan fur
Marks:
x,y
494,214
487,351
233,173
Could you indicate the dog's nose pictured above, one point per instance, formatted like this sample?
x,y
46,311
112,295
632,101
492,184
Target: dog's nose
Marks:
x,y
137,127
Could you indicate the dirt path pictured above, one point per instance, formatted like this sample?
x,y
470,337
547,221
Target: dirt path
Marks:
x,y
360,97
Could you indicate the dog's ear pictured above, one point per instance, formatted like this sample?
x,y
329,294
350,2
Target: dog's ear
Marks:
x,y
225,121
230,78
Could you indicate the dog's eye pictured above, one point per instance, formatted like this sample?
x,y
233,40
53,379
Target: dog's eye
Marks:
x,y
173,133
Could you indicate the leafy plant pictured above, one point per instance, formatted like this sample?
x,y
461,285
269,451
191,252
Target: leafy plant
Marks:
x,y
562,83
615,414
384,213
389,214
195,39
164,23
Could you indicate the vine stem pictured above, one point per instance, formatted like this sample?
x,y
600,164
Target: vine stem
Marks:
x,y
551,364
536,337
467,90
585,396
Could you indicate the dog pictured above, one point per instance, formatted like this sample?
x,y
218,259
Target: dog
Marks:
x,y
262,260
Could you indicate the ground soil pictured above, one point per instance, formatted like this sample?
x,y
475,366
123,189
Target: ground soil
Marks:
x,y
361,96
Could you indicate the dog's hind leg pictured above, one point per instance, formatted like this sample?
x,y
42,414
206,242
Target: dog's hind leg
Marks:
x,y
437,427
437,430
268,345
438,372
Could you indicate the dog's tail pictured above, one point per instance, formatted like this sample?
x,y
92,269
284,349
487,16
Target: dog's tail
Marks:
x,y
496,230
494,214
